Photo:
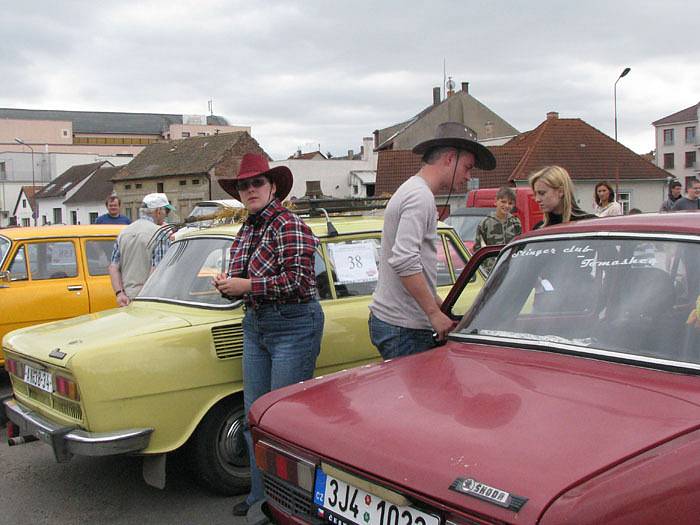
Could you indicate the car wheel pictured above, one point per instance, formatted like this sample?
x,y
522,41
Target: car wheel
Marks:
x,y
218,453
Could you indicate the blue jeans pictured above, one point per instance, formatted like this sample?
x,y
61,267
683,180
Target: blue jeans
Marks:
x,y
280,345
396,341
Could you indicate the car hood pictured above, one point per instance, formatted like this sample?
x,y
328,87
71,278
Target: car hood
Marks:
x,y
530,423
92,331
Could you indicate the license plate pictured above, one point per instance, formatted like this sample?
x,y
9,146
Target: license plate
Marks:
x,y
340,503
38,378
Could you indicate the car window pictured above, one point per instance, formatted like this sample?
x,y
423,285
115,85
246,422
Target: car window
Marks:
x,y
465,225
186,273
323,285
18,266
354,266
52,260
4,248
444,277
625,295
99,254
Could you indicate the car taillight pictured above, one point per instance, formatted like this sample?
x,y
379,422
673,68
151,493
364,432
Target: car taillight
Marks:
x,y
14,367
285,465
67,388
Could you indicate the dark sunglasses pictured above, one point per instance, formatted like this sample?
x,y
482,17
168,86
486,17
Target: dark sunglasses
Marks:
x,y
258,182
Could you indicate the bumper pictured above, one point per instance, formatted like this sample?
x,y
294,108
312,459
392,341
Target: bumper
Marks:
x,y
67,441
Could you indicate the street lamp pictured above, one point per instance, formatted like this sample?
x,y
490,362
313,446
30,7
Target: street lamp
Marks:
x,y
35,212
617,169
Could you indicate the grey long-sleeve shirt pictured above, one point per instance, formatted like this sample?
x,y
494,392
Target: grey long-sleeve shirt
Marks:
x,y
409,246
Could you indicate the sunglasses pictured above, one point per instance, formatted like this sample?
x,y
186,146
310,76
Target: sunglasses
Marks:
x,y
258,182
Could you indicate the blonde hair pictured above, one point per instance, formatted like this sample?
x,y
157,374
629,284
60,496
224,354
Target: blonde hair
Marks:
x,y
558,178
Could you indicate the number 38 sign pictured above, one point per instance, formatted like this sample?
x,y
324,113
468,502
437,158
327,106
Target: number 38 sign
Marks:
x,y
354,262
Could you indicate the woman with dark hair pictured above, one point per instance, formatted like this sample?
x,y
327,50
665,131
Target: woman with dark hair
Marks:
x,y
554,193
605,204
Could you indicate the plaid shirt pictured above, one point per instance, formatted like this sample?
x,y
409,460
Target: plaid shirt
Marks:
x,y
277,249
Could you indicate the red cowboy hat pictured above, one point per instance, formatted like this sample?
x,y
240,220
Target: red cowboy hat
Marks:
x,y
253,165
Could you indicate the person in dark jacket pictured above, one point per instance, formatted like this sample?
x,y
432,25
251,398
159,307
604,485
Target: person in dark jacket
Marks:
x,y
675,190
554,193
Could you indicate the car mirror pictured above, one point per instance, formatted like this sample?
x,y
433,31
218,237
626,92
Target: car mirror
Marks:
x,y
5,279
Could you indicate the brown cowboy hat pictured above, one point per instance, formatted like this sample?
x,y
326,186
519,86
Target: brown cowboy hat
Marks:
x,y
457,135
253,165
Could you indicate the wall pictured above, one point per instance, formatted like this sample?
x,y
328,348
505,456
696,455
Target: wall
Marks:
x,y
679,148
83,211
36,131
176,130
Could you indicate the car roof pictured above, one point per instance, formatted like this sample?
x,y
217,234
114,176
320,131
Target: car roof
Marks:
x,y
344,224
677,222
47,232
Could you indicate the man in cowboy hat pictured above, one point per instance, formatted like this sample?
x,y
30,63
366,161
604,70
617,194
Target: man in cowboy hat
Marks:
x,y
405,309
272,270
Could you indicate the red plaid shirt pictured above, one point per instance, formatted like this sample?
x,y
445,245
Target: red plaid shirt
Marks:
x,y
277,249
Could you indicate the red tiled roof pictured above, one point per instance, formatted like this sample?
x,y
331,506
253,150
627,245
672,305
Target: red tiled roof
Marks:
x,y
585,152
684,115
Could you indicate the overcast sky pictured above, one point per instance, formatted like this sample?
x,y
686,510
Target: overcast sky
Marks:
x,y
329,73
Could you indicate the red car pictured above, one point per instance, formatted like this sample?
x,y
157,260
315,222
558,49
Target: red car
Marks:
x,y
569,393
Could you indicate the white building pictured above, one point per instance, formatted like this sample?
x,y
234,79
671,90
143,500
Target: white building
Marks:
x,y
677,143
345,177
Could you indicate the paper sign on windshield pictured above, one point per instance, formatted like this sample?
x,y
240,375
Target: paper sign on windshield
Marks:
x,y
354,262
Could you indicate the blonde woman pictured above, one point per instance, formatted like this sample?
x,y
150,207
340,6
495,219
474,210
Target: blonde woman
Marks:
x,y
554,193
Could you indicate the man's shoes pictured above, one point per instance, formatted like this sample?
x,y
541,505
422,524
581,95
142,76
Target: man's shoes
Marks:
x,y
241,508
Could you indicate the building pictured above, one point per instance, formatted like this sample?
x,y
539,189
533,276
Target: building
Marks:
x,y
677,143
341,177
49,142
459,106
88,202
51,199
22,213
186,170
586,153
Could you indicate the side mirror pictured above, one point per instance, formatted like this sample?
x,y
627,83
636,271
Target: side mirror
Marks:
x,y
5,279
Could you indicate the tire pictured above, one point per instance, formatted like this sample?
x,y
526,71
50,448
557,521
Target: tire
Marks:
x,y
217,452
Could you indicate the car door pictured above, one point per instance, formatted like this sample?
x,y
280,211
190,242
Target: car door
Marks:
x,y
96,257
46,284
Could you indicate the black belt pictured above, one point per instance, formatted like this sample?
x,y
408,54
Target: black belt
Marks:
x,y
285,300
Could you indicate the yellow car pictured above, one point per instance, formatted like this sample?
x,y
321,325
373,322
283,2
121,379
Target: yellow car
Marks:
x,y
54,272
165,372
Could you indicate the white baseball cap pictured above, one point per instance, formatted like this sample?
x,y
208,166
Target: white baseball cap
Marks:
x,y
157,200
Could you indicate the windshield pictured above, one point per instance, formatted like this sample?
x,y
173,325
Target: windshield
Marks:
x,y
203,209
465,225
185,274
4,248
630,296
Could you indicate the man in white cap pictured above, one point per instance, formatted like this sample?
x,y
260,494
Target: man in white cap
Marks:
x,y
133,258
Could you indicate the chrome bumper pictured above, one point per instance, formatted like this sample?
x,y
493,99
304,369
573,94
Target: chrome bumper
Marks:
x,y
67,441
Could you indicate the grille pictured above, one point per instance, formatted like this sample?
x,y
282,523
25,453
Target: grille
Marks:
x,y
68,408
290,498
228,341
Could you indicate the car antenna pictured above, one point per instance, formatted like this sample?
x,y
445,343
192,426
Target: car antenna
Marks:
x,y
332,232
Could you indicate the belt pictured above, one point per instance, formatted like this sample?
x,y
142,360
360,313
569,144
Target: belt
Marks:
x,y
286,300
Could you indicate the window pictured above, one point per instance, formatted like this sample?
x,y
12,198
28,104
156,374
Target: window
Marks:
x,y
624,198
138,186
668,161
127,186
668,137
52,260
43,220
689,159
160,187
3,171
183,183
452,257
127,212
57,216
185,134
93,217
201,134
26,222
74,217
99,255
690,135
195,182
18,267
24,203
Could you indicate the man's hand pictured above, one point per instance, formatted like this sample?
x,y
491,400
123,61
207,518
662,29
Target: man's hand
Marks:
x,y
441,324
123,299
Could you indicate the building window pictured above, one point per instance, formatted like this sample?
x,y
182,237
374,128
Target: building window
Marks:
x,y
183,183
74,217
201,134
43,220
689,159
160,187
624,198
93,217
57,216
668,137
127,212
138,186
690,135
668,161
185,134
25,222
127,186
24,203
3,171
195,182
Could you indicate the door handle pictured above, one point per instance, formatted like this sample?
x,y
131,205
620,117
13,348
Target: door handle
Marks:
x,y
75,287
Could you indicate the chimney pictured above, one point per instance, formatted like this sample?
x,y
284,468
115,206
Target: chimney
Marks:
x,y
313,189
552,115
351,154
465,87
436,96
367,148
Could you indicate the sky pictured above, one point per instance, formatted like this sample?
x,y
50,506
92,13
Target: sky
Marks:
x,y
308,73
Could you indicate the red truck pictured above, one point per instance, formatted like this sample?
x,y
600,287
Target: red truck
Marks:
x,y
526,209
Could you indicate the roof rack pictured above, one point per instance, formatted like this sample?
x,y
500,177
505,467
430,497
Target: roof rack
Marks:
x,y
320,207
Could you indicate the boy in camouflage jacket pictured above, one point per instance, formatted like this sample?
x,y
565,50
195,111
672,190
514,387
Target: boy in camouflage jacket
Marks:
x,y
500,226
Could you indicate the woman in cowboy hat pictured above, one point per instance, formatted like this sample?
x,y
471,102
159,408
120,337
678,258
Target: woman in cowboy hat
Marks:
x,y
272,270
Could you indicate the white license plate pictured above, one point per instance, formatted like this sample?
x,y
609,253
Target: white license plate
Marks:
x,y
38,378
340,503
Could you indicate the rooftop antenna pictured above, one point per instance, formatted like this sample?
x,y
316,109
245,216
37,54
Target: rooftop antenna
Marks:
x,y
211,107
444,79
